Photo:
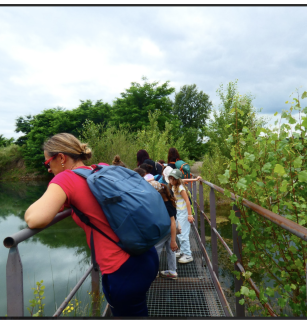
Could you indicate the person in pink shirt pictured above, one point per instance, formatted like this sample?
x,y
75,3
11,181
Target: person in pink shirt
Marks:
x,y
125,278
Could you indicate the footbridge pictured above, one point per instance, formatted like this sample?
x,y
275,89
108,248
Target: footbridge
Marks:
x,y
196,293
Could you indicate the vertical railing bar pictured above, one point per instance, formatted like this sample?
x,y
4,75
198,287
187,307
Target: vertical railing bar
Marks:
x,y
213,235
95,283
237,250
202,219
194,203
14,284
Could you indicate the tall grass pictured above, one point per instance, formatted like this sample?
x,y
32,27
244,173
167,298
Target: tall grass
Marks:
x,y
107,142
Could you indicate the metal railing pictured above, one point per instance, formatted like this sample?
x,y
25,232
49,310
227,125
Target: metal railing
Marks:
x,y
14,273
285,223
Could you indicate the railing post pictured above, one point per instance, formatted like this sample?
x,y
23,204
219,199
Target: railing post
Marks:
x,y
194,195
95,291
202,219
14,284
213,235
237,250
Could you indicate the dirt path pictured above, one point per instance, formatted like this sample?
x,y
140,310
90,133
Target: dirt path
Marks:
x,y
195,169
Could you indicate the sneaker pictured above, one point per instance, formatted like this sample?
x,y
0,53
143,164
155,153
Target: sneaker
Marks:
x,y
185,259
169,274
178,254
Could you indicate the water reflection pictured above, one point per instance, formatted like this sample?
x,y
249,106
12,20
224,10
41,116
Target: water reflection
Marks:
x,y
58,255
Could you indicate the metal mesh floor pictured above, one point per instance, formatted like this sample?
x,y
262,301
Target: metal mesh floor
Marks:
x,y
192,295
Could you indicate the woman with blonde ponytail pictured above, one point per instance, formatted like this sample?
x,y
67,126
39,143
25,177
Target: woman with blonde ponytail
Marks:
x,y
125,278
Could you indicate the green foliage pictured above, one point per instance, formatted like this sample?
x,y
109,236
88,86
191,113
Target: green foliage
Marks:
x,y
225,119
4,142
37,302
52,121
107,142
131,110
192,107
214,166
270,170
156,142
10,157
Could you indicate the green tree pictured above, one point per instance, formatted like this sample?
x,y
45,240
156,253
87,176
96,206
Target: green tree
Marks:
x,y
4,142
192,107
224,118
56,120
23,124
132,108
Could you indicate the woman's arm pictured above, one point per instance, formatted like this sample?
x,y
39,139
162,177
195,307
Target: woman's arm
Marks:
x,y
173,234
42,211
187,201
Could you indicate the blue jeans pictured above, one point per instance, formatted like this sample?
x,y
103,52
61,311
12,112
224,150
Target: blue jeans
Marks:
x,y
125,289
170,255
184,239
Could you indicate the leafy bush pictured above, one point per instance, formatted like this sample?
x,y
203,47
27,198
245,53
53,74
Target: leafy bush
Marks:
x,y
269,168
10,157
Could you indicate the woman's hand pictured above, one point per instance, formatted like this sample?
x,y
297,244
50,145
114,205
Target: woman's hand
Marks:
x,y
42,211
190,219
174,246
198,178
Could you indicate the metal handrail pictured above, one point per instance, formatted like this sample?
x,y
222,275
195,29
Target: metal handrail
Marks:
x,y
14,271
283,222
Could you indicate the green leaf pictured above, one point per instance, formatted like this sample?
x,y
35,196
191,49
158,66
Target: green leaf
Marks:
x,y
292,249
292,120
241,184
242,301
304,95
282,302
293,286
279,169
233,258
298,263
244,290
227,193
275,113
302,176
270,291
222,179
260,184
304,123
252,295
297,162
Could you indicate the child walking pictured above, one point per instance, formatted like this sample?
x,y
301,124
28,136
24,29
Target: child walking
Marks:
x,y
168,241
184,215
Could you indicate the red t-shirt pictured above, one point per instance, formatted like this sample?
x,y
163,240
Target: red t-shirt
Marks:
x,y
109,256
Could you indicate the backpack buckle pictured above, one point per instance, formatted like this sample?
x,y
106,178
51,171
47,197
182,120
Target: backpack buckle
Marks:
x,y
112,200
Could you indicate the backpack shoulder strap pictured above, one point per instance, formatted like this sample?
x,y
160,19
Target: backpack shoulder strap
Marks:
x,y
87,221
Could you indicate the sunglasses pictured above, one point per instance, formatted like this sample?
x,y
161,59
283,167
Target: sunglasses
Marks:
x,y
46,164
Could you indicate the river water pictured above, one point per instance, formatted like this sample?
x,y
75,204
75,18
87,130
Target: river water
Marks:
x,y
58,255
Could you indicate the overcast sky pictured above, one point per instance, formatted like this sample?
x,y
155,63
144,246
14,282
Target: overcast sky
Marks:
x,y
57,56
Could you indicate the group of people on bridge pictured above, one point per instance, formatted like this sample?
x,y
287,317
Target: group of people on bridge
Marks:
x,y
125,278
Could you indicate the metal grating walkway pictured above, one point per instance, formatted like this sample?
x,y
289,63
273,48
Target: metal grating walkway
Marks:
x,y
192,295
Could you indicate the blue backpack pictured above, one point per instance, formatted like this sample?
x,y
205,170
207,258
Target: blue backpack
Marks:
x,y
134,209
